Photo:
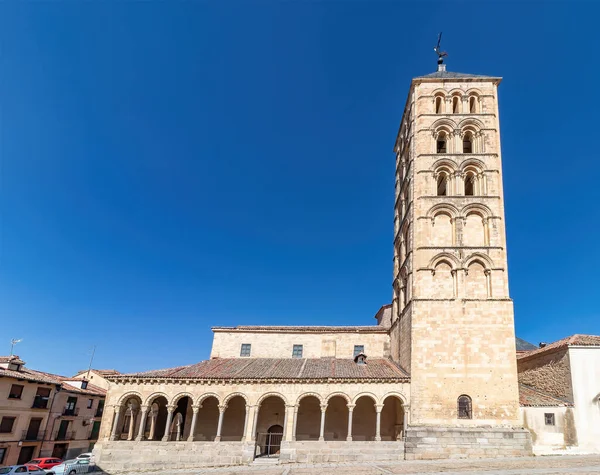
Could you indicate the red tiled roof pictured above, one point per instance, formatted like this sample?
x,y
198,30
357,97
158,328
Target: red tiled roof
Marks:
x,y
29,375
574,340
530,396
91,389
303,329
13,358
101,372
279,368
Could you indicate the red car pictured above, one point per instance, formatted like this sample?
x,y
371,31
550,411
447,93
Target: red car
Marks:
x,y
45,462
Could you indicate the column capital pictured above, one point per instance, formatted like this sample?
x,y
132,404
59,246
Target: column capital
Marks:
x,y
117,408
323,407
350,406
144,408
290,406
378,407
196,409
171,408
222,407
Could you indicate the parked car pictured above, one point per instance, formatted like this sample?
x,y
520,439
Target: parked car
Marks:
x,y
45,462
71,467
86,455
24,469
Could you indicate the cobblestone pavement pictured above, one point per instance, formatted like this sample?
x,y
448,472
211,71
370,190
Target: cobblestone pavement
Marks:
x,y
549,465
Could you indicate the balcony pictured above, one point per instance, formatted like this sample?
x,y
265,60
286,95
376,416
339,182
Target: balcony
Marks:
x,y
40,402
28,435
70,412
69,435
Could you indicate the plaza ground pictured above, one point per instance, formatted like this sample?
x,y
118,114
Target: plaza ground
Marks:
x,y
548,465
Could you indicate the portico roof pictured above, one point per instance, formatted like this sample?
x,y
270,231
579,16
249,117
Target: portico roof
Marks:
x,y
303,369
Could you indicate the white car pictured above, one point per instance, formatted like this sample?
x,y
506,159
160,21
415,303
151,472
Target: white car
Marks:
x,y
72,467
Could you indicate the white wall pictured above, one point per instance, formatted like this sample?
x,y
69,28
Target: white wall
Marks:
x,y
585,373
544,436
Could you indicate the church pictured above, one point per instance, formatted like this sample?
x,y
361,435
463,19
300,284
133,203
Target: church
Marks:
x,y
435,376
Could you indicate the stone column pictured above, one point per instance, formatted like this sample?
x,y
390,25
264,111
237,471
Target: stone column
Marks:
x,y
143,416
378,408
246,417
288,422
295,422
322,431
220,425
131,430
350,411
250,426
196,409
117,419
170,411
406,418
153,416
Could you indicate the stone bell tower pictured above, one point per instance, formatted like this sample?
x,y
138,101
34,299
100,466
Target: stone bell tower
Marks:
x,y
452,317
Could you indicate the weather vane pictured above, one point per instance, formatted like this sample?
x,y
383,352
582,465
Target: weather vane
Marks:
x,y
441,54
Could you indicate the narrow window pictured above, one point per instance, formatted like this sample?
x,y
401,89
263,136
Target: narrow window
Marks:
x,y
70,407
469,185
441,143
468,143
464,407
455,105
549,418
16,390
438,105
442,185
6,426
472,105
297,351
2,455
90,403
245,351
358,349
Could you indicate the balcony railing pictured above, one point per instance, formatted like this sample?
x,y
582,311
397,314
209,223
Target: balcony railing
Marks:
x,y
30,435
71,412
40,402
69,435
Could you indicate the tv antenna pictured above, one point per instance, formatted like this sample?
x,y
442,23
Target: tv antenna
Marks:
x,y
13,342
441,54
91,360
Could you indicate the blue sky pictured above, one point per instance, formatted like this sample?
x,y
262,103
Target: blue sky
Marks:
x,y
170,166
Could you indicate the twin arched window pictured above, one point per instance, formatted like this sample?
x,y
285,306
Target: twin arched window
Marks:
x,y
465,407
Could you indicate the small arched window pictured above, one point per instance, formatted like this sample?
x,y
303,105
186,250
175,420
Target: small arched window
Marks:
x,y
472,104
438,105
468,143
455,105
465,410
442,185
441,143
469,185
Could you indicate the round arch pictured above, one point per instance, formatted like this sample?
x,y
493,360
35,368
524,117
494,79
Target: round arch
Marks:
x,y
365,394
338,393
484,260
400,396
150,399
204,396
445,162
128,395
483,210
229,397
269,394
443,123
303,395
179,396
444,257
446,207
471,123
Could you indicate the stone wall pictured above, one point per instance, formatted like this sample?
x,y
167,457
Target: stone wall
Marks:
x,y
279,344
429,443
339,451
121,455
549,372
